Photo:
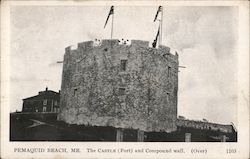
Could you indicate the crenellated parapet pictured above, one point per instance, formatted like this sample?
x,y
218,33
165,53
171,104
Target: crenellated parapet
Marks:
x,y
162,50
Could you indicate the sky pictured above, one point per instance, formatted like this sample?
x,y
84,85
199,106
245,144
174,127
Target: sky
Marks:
x,y
204,37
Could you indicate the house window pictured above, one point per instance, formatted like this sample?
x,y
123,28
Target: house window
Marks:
x,y
169,71
56,110
122,91
44,109
55,102
45,102
124,65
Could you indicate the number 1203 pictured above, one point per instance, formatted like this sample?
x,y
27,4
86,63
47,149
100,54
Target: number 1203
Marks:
x,y
231,150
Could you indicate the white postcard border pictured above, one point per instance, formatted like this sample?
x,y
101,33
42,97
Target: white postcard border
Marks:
x,y
214,150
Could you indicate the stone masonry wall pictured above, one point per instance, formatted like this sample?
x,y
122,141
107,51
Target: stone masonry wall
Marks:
x,y
204,125
96,90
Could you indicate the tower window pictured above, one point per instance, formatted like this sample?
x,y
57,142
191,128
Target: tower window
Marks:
x,y
169,71
149,94
124,65
122,91
168,97
75,91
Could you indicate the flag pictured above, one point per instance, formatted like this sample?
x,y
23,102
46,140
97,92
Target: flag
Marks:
x,y
110,12
159,10
156,38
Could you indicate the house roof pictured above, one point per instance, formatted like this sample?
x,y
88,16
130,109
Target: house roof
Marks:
x,y
47,94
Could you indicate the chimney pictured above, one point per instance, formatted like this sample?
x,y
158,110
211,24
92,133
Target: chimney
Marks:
x,y
46,89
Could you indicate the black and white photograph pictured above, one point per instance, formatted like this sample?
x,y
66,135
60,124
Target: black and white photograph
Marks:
x,y
111,72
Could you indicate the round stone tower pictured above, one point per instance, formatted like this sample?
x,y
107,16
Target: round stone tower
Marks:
x,y
120,85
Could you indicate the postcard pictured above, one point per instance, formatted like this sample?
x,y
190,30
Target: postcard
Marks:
x,y
124,79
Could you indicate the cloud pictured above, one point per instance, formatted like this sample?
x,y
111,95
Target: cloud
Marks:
x,y
207,82
206,38
215,26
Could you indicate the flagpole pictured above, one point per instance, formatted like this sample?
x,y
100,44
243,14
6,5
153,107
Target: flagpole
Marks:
x,y
159,34
161,24
112,25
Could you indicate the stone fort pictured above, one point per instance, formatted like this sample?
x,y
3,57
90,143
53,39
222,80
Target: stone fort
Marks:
x,y
120,85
